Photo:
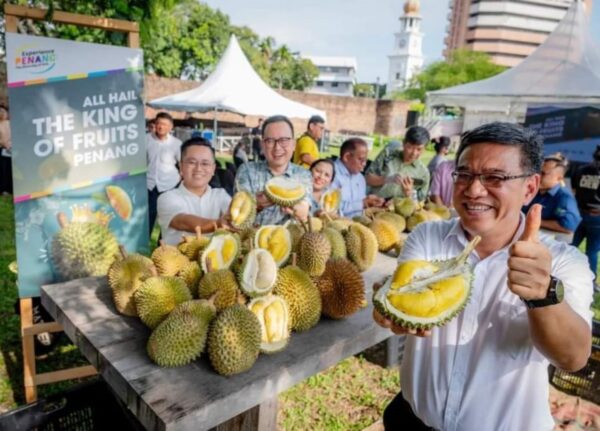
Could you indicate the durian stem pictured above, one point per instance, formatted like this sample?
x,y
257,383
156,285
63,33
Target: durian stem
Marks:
x,y
294,259
198,232
122,251
309,222
327,216
464,255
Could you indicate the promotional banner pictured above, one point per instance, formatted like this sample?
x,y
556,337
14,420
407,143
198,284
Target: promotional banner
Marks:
x,y
79,157
572,130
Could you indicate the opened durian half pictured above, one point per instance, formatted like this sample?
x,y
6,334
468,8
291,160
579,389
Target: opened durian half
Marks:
x,y
274,317
242,210
220,253
258,273
423,294
284,192
331,200
276,240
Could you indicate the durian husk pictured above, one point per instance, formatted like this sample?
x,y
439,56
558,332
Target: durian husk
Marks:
x,y
125,276
284,192
168,260
301,295
361,245
342,289
242,210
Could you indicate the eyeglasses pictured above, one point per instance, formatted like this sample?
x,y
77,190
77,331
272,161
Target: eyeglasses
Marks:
x,y
198,164
282,142
487,180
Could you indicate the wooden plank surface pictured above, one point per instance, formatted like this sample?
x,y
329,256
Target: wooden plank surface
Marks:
x,y
194,397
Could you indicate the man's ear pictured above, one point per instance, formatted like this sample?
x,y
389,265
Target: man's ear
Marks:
x,y
532,185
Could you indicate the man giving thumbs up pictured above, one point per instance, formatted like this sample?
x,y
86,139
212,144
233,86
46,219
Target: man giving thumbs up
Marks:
x,y
487,368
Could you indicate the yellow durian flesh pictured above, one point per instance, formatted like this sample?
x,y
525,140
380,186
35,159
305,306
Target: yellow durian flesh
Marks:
x,y
242,209
284,192
330,200
273,314
276,240
220,253
410,270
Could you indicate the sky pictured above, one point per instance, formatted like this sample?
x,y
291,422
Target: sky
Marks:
x,y
354,28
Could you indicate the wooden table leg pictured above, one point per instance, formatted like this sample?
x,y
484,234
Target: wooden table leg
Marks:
x,y
260,418
28,350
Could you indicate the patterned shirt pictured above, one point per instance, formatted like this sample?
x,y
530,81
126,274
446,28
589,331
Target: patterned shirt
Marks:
x,y
390,163
253,176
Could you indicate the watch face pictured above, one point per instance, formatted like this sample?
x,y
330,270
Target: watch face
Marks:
x,y
560,290
402,43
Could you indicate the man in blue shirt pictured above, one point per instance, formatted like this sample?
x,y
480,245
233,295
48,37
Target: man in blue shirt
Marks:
x,y
560,213
350,180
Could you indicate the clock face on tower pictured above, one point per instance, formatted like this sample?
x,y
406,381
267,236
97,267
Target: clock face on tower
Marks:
x,y
402,43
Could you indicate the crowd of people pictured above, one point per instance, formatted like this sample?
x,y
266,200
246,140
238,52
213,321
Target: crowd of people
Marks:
x,y
531,294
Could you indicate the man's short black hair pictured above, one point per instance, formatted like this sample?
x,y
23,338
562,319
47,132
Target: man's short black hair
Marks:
x,y
197,142
276,119
350,145
328,161
315,119
416,135
530,143
163,115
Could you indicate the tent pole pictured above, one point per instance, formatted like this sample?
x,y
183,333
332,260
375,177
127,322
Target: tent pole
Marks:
x,y
215,130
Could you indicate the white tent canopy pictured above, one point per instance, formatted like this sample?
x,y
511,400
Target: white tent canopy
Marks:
x,y
235,86
564,69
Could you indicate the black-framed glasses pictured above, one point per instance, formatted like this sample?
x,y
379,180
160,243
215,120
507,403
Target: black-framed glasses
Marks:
x,y
282,142
491,180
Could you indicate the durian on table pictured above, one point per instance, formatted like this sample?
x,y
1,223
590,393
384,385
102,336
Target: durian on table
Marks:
x,y
423,294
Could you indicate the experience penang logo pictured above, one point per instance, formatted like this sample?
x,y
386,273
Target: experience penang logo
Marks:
x,y
35,60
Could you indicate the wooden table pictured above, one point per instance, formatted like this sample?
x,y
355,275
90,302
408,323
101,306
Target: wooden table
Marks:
x,y
195,397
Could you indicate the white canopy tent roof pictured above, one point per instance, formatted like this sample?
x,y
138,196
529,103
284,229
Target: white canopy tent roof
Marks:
x,y
564,69
235,86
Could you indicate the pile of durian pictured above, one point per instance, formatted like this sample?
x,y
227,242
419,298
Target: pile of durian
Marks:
x,y
392,224
234,295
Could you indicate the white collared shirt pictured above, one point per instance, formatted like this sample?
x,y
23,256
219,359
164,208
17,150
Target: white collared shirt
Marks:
x,y
211,205
481,371
162,158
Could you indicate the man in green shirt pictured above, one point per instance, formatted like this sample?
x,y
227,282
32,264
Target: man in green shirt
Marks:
x,y
397,173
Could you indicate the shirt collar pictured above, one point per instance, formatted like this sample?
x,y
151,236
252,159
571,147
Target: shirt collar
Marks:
x,y
289,171
458,232
553,190
341,168
192,194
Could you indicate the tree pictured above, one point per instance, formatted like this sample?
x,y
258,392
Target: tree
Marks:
x,y
462,67
364,90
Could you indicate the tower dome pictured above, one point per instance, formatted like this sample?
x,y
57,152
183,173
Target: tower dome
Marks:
x,y
411,7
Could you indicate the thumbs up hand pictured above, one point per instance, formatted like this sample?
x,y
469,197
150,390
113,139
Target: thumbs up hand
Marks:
x,y
529,261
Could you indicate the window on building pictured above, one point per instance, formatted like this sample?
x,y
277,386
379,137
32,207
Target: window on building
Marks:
x,y
334,84
335,69
319,83
398,75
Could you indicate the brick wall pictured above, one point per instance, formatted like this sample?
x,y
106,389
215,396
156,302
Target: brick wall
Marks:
x,y
351,114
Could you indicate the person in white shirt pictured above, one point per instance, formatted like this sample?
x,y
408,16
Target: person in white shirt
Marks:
x,y
487,368
194,202
163,152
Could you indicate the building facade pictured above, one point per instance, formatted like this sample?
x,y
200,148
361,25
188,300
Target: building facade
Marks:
x,y
337,75
406,59
508,30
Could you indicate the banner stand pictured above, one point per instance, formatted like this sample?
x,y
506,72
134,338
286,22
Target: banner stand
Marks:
x,y
28,329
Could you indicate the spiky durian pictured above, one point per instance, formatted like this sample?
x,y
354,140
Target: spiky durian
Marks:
x,y
361,245
258,273
441,210
423,294
314,250
397,220
84,247
220,285
168,260
284,192
340,224
420,216
221,252
181,337
125,276
301,295
338,244
273,315
234,340
158,296
405,206
276,240
191,274
342,289
192,246
242,210
386,233
296,232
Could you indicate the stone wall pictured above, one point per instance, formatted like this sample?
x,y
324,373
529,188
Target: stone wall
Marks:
x,y
352,115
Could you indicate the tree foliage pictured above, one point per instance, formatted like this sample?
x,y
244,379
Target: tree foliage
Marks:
x,y
462,67
181,39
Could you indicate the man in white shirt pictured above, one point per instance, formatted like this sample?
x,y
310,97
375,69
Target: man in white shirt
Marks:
x,y
194,202
163,152
487,368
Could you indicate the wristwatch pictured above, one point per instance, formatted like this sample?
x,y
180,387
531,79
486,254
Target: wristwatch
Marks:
x,y
554,295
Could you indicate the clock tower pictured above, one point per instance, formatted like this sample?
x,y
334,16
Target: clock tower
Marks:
x,y
406,59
